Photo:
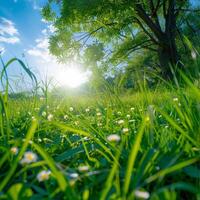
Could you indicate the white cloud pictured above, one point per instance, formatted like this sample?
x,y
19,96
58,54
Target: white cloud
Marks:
x,y
41,49
8,32
9,40
43,43
44,31
7,27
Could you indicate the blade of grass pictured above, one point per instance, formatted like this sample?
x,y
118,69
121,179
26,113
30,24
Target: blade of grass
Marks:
x,y
111,175
83,133
177,127
132,157
174,168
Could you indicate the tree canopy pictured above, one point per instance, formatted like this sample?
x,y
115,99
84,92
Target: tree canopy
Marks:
x,y
116,32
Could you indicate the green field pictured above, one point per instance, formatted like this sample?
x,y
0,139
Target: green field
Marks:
x,y
140,146
99,99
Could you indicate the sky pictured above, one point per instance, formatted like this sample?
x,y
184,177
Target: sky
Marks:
x,y
23,31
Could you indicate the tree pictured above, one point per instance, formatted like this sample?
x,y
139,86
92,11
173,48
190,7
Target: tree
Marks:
x,y
122,26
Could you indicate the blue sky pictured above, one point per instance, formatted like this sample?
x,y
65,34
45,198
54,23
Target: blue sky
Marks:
x,y
24,16
23,31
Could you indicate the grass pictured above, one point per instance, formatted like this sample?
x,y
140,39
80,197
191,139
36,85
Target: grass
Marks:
x,y
157,156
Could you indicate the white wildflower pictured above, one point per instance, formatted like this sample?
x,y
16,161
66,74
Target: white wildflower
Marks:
x,y
71,109
65,117
98,114
125,130
132,109
121,121
113,138
99,124
142,194
73,175
44,114
84,168
43,175
119,113
14,150
50,117
175,99
128,116
194,55
33,118
29,157
87,110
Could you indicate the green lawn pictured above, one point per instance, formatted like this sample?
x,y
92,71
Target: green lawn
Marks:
x,y
140,146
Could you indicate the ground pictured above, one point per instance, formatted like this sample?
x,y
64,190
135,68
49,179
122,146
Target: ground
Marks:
x,y
104,146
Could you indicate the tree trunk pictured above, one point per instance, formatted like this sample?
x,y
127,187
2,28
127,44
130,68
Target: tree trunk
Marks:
x,y
168,57
165,40
167,50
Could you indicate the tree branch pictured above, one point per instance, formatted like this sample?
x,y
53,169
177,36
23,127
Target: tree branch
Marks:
x,y
139,44
164,9
154,28
146,31
154,13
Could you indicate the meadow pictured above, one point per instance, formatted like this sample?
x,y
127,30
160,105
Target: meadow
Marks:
x,y
100,100
143,145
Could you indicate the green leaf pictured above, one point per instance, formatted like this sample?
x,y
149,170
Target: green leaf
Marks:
x,y
132,157
171,169
19,192
192,171
69,153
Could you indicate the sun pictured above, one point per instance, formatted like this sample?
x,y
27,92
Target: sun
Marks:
x,y
71,77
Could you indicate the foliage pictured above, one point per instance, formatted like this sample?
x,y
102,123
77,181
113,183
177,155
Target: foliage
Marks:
x,y
123,27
